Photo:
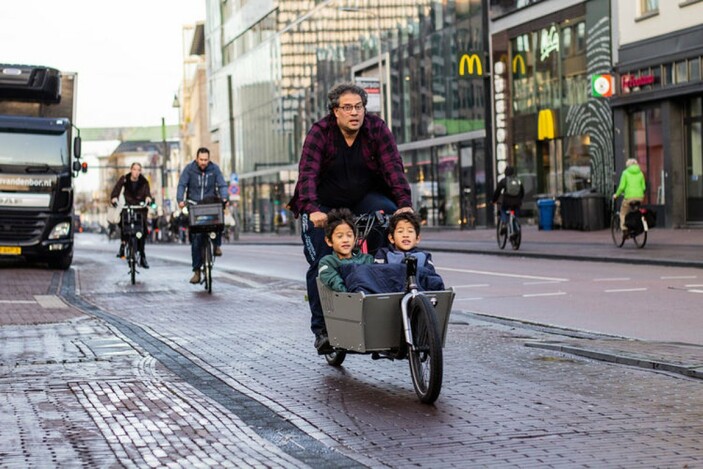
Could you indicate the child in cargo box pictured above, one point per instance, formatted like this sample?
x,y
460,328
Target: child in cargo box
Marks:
x,y
404,236
340,235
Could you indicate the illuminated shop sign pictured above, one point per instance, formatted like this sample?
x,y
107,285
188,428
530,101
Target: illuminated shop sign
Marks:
x,y
629,82
519,68
470,63
549,42
501,111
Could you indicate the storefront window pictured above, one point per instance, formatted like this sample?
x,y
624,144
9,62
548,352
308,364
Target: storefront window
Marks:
x,y
547,79
522,53
449,204
526,167
577,163
646,146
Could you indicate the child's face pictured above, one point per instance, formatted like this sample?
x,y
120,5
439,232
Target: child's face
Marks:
x,y
342,242
404,237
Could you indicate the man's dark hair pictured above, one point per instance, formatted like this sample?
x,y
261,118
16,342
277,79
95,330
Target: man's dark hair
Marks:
x,y
410,217
342,88
336,217
202,150
509,171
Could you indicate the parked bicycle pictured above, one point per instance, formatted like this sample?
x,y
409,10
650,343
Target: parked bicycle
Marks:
x,y
410,324
638,222
509,230
206,220
132,226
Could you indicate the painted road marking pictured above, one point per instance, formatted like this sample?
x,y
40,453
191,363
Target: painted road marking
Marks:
x,y
676,277
45,301
530,295
50,302
498,274
625,290
475,285
611,279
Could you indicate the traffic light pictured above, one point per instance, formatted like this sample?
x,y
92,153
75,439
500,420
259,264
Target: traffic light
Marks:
x,y
84,167
153,205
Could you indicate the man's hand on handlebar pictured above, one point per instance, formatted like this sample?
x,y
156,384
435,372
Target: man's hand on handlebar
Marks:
x,y
114,201
318,219
403,210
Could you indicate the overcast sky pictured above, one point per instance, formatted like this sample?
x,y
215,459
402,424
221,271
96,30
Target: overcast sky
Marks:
x,y
128,53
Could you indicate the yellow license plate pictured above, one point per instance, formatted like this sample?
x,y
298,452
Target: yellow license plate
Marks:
x,y
11,250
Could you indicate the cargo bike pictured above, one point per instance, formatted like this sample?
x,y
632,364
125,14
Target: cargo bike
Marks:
x,y
404,325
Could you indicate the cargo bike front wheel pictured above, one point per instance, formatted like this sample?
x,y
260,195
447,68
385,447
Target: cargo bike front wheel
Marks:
x,y
424,347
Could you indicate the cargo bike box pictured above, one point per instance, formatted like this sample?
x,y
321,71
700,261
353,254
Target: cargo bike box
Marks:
x,y
206,217
364,323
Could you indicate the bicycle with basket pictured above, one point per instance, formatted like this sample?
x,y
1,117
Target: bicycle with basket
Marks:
x,y
403,325
132,226
206,220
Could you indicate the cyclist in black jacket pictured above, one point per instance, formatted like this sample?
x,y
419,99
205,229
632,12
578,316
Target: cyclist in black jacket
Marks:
x,y
510,198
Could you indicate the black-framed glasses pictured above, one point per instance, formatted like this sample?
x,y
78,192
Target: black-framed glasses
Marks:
x,y
352,107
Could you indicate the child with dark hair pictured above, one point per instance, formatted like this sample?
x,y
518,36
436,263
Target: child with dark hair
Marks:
x,y
340,235
404,236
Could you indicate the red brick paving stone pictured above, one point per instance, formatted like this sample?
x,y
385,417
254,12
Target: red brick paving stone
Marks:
x,y
17,302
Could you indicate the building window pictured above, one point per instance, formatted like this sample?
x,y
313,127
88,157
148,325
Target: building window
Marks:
x,y
649,6
694,69
647,9
681,70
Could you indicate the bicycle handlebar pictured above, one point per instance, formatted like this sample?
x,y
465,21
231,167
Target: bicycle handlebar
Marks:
x,y
134,207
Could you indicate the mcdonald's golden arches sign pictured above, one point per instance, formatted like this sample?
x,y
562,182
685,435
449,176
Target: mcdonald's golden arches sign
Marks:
x,y
519,68
470,64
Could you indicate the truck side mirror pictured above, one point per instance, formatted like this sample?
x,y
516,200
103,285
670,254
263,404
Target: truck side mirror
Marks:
x,y
76,166
77,148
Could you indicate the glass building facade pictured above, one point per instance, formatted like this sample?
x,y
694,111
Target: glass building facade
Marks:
x,y
271,64
549,124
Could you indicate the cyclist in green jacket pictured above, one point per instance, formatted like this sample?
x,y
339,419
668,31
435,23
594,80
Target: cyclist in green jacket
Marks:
x,y
632,188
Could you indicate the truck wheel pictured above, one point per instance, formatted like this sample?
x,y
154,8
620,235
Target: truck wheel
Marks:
x,y
62,261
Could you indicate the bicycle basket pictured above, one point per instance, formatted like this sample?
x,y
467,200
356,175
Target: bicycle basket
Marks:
x,y
206,217
131,224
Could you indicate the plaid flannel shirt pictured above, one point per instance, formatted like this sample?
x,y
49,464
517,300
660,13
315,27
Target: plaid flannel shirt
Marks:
x,y
378,150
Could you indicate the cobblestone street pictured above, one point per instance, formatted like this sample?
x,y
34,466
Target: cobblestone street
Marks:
x,y
168,375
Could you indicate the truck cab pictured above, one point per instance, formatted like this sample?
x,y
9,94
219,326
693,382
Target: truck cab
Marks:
x,y
39,157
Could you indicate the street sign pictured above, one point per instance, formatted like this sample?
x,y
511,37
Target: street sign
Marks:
x,y
234,178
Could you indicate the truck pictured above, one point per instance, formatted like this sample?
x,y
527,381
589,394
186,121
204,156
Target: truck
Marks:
x,y
39,159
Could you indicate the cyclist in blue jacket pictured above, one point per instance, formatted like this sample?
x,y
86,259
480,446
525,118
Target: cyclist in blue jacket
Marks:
x,y
201,181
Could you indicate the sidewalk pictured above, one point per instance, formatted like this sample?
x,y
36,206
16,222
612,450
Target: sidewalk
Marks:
x,y
672,247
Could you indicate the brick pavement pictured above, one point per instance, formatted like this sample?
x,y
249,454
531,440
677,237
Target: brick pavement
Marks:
x,y
502,403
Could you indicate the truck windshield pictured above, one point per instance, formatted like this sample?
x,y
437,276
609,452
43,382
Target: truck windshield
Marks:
x,y
33,148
